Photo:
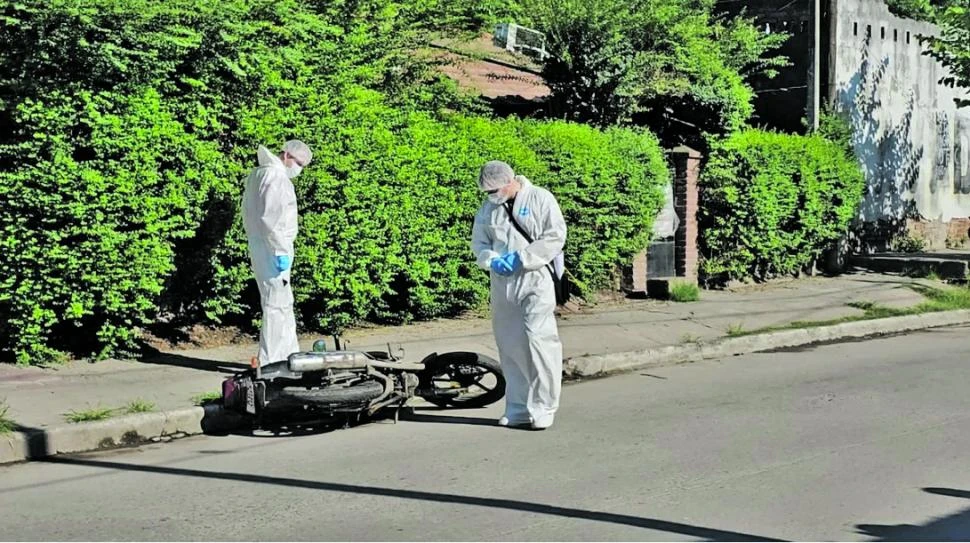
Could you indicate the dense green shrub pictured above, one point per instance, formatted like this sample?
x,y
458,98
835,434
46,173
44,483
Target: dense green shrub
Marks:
x,y
608,186
386,211
88,221
837,129
129,126
771,203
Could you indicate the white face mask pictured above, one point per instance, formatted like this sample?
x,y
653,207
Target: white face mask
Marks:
x,y
293,171
498,198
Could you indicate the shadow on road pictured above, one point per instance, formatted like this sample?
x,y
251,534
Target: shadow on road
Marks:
x,y
37,442
414,415
709,534
154,356
955,527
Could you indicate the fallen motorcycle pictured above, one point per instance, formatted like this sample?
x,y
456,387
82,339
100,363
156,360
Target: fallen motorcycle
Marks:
x,y
345,384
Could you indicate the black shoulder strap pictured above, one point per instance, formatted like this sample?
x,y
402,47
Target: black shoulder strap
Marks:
x,y
515,223
528,238
562,295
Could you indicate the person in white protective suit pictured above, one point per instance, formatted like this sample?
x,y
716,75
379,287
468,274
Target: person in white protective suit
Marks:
x,y
270,218
523,296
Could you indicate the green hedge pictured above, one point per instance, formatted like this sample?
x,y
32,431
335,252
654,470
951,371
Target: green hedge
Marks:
x,y
388,203
771,203
86,234
132,123
127,126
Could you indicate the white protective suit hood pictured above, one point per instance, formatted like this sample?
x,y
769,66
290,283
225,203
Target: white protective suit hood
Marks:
x,y
265,157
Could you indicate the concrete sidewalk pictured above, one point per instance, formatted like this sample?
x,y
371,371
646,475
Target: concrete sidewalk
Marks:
x,y
40,398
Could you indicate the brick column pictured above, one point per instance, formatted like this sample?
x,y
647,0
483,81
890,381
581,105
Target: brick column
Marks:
x,y
686,164
639,276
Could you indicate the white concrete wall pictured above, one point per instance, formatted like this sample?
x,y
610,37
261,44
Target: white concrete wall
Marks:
x,y
913,141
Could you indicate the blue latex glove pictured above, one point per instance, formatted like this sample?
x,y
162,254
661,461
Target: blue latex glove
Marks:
x,y
501,267
514,261
283,263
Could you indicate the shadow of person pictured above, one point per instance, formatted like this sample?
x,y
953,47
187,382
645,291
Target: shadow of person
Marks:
x,y
690,530
151,355
955,527
446,419
965,494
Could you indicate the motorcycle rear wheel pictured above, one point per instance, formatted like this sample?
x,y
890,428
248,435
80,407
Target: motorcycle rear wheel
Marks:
x,y
364,391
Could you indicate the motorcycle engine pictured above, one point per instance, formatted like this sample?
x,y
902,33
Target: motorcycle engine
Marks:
x,y
411,381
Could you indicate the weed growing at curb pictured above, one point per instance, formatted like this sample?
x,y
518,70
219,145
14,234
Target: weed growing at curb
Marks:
x,y
104,413
88,415
206,398
736,330
942,299
689,338
681,291
139,406
937,299
7,424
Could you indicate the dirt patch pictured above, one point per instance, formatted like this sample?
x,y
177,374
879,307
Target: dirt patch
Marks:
x,y
164,337
194,337
604,301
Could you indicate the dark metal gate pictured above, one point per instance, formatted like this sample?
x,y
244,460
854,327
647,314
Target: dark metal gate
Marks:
x,y
660,259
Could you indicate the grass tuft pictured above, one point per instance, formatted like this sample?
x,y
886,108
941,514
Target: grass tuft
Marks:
x,y
139,406
681,291
937,299
7,425
89,415
206,398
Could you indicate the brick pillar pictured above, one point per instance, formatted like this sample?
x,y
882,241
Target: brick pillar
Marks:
x,y
639,279
686,164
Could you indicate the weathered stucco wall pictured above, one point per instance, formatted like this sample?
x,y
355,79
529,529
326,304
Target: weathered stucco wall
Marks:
x,y
913,142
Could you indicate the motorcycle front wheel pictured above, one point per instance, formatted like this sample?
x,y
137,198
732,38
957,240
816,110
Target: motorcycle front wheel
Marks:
x,y
462,380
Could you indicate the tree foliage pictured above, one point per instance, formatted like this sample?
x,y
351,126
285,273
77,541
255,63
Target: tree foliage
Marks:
x,y
662,63
925,10
952,45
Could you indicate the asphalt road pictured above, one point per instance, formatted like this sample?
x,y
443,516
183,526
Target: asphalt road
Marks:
x,y
856,441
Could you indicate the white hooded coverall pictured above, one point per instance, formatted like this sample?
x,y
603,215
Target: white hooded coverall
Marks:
x,y
524,303
270,218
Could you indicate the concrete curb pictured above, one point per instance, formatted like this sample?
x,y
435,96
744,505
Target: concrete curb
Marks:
x,y
946,268
602,365
131,430
34,443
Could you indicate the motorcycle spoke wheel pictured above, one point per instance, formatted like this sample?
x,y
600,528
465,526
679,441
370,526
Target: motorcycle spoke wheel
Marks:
x,y
479,380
